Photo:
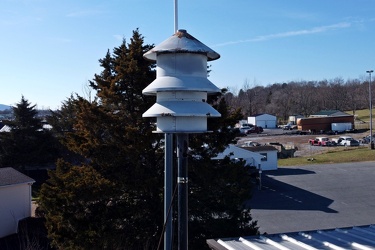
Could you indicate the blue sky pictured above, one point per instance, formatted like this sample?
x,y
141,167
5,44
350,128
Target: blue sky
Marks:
x,y
50,48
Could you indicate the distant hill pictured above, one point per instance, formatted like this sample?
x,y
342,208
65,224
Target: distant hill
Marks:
x,y
4,107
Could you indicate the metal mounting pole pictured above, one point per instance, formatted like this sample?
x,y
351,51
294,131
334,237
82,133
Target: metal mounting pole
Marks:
x,y
182,184
175,15
168,190
168,174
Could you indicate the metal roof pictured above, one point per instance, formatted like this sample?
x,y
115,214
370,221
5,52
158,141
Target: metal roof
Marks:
x,y
10,176
331,113
182,42
5,128
361,237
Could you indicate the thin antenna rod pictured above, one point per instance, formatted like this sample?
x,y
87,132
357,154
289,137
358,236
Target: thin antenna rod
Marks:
x,y
175,16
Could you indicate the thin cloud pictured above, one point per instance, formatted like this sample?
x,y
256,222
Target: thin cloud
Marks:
x,y
84,13
118,37
60,40
315,30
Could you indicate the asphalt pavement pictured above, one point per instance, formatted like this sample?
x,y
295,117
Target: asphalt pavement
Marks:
x,y
324,196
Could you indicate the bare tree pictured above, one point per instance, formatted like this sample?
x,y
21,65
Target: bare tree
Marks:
x,y
338,96
356,95
301,97
248,95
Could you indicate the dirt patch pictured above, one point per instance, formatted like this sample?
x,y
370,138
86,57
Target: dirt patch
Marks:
x,y
299,141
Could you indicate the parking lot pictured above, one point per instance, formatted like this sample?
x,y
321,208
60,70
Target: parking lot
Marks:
x,y
315,197
287,137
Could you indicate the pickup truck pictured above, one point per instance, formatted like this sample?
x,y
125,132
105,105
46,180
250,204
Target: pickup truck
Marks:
x,y
320,141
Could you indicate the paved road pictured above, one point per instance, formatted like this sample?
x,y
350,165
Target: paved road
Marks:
x,y
315,197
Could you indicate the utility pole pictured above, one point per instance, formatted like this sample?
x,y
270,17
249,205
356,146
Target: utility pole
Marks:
x,y
370,100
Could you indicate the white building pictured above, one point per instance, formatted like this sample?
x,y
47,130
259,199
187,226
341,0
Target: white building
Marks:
x,y
15,199
294,118
263,120
5,128
269,156
261,157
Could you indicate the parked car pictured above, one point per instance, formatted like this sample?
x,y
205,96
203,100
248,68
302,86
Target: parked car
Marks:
x,y
321,141
366,139
348,141
251,144
244,129
237,132
255,129
289,126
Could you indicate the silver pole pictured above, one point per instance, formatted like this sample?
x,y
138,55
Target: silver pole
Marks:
x,y
369,92
168,174
168,190
175,16
182,184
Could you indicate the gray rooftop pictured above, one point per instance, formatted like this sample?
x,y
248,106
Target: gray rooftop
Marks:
x,y
10,176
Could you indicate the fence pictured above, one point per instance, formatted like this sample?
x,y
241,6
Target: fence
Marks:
x,y
364,125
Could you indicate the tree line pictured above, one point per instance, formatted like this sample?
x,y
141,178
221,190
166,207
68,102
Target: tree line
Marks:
x,y
105,190
300,97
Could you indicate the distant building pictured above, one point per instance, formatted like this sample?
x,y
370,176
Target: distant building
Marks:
x,y
15,200
322,121
261,157
293,118
269,153
263,120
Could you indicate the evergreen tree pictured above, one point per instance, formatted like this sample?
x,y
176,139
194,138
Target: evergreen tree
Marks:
x,y
113,199
121,151
62,122
27,144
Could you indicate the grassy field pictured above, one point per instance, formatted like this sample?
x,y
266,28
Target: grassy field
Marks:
x,y
337,155
363,114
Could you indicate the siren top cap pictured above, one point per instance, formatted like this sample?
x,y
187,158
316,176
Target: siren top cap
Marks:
x,y
181,42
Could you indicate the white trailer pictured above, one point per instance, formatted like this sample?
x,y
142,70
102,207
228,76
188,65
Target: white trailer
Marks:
x,y
341,127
